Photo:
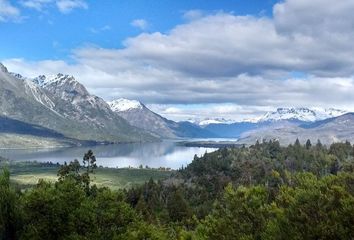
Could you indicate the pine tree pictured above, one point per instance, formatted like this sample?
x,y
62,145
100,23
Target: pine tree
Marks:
x,y
308,144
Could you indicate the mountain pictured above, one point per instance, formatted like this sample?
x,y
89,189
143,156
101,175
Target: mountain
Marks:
x,y
138,115
299,114
62,104
208,121
126,105
18,135
281,117
336,129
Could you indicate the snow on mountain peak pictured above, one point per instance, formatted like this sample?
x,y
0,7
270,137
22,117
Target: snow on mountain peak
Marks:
x,y
302,114
17,75
207,121
44,80
122,105
61,83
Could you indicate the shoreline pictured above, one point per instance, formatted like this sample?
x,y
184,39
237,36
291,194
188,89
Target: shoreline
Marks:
x,y
211,144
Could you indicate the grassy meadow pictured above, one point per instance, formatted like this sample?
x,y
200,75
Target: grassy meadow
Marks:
x,y
27,174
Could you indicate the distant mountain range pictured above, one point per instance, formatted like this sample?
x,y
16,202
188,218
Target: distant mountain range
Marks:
x,y
299,114
62,107
287,124
284,124
59,111
330,130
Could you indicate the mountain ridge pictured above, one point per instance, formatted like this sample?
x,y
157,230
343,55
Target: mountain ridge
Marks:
x,y
336,129
64,105
61,104
137,114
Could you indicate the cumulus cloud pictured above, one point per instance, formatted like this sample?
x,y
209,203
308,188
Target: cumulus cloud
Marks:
x,y
140,23
8,12
227,62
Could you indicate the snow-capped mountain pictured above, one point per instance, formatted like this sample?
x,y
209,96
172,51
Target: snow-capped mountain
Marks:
x,y
123,104
62,104
336,129
138,115
207,121
60,83
284,118
300,114
62,107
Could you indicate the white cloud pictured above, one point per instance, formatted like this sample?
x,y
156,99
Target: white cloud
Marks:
x,y
38,5
235,63
227,111
8,12
66,6
193,14
140,23
101,29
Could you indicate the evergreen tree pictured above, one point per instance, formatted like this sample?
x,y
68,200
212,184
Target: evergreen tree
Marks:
x,y
10,214
177,206
308,144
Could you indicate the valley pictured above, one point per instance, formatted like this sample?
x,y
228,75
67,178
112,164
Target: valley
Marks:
x,y
58,111
176,120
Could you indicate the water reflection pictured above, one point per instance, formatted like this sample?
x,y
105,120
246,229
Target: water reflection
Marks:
x,y
162,154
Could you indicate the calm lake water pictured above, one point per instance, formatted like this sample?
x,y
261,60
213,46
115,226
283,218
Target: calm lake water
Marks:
x,y
161,154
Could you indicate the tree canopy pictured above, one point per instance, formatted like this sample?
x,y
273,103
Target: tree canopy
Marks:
x,y
264,191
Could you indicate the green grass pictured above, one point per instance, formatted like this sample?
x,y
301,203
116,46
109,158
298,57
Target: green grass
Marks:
x,y
27,175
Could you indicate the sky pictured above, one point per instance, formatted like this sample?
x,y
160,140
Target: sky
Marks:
x,y
187,59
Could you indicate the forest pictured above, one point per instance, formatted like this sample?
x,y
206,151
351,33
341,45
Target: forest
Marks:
x,y
265,191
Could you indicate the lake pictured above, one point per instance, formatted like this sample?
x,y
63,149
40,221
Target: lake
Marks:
x,y
160,154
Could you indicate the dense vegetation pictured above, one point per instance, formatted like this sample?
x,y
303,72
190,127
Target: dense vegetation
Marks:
x,y
262,192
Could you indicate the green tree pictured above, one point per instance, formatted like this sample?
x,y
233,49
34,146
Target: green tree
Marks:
x,y
178,208
308,144
89,161
313,209
70,171
10,209
242,214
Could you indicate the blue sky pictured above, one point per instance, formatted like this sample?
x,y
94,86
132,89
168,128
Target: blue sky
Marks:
x,y
234,59
52,34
